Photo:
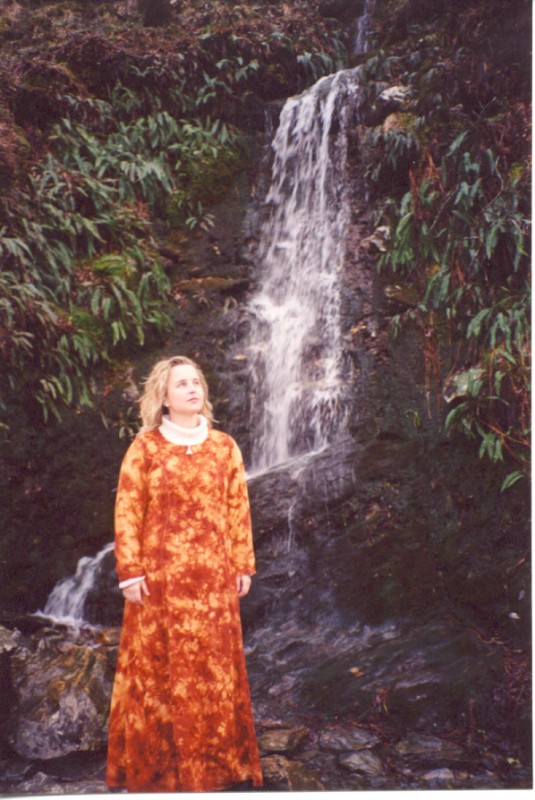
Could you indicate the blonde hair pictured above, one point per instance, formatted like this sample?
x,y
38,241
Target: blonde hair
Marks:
x,y
151,401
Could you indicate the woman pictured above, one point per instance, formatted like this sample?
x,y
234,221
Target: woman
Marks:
x,y
181,716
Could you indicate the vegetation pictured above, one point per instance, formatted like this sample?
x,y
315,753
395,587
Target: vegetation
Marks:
x,y
92,157
451,173
81,277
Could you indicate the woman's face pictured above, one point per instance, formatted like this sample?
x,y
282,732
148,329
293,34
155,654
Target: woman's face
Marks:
x,y
184,395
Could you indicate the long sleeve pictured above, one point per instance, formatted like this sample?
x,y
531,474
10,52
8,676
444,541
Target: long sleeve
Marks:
x,y
130,507
240,516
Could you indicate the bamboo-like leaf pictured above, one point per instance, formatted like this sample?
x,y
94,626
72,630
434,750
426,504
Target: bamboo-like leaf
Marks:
x,y
511,479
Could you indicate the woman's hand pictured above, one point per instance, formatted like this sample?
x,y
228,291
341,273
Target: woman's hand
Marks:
x,y
134,593
243,584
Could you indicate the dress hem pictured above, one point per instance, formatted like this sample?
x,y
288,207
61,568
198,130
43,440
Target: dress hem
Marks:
x,y
256,782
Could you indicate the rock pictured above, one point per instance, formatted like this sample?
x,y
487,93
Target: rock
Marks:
x,y
281,741
61,696
14,770
394,97
347,739
9,640
110,637
302,779
418,744
11,10
439,776
413,673
378,239
457,384
343,10
155,12
364,762
215,284
41,783
275,771
404,296
104,603
388,100
283,774
21,623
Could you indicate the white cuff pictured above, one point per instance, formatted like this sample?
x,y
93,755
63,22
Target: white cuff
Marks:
x,y
130,582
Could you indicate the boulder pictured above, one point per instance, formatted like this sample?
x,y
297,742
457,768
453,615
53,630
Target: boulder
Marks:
x,y
41,783
347,739
282,740
363,762
282,774
395,97
61,698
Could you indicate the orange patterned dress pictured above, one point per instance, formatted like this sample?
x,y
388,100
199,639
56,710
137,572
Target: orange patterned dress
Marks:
x,y
181,717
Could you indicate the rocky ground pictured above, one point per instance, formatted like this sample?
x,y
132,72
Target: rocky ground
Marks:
x,y
338,706
307,757
339,756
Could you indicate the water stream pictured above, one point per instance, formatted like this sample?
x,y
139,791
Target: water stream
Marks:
x,y
298,378
67,600
362,40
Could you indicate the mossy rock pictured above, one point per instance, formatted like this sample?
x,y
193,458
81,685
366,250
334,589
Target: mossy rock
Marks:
x,y
213,284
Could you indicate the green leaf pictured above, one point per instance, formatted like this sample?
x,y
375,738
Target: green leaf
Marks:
x,y
511,479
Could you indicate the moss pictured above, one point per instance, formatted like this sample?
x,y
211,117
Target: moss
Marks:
x,y
517,172
211,284
205,182
405,294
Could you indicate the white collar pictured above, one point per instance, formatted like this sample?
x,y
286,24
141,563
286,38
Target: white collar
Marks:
x,y
185,436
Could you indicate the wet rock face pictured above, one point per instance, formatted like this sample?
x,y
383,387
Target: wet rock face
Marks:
x,y
360,607
362,522
344,10
428,676
105,603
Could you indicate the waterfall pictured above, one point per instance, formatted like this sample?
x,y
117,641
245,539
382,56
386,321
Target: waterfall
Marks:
x,y
67,600
297,368
298,374
361,42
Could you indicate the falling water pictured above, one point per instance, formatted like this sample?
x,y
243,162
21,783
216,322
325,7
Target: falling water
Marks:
x,y
67,600
362,39
296,353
